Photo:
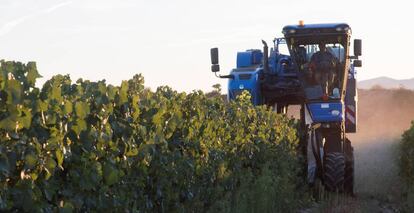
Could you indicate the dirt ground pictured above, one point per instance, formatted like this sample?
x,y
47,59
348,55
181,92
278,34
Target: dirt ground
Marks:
x,y
383,115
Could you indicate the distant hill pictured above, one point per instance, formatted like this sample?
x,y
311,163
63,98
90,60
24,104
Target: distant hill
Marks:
x,y
387,83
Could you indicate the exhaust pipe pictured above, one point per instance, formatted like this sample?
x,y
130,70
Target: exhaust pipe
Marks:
x,y
265,57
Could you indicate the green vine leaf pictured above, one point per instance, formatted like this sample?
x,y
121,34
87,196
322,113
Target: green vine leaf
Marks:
x,y
32,73
14,92
82,109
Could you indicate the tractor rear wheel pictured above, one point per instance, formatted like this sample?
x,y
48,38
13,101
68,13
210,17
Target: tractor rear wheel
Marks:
x,y
334,171
349,168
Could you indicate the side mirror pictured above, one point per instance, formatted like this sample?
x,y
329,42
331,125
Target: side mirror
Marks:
x,y
214,55
357,63
357,47
215,67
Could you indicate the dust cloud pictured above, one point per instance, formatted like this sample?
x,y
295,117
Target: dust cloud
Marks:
x,y
383,115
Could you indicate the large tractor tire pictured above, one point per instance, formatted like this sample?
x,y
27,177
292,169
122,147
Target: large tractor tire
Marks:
x,y
349,168
334,171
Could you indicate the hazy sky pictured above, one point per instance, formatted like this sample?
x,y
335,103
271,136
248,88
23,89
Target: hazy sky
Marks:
x,y
168,41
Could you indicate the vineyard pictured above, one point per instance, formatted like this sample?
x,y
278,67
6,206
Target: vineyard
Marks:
x,y
407,156
407,166
90,146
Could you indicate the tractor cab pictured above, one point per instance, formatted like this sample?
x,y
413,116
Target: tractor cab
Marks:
x,y
320,53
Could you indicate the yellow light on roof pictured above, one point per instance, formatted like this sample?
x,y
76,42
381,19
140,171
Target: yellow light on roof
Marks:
x,y
301,23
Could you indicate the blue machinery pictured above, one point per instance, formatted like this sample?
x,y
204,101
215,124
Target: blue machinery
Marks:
x,y
325,88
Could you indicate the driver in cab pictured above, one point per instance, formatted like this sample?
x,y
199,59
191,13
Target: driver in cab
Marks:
x,y
323,66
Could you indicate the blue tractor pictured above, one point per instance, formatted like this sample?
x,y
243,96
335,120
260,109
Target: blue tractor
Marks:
x,y
317,73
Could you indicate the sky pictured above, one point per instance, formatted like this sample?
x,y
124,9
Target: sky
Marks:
x,y
169,41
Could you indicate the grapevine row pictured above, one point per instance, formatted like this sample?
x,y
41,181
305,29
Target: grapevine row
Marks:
x,y
91,146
